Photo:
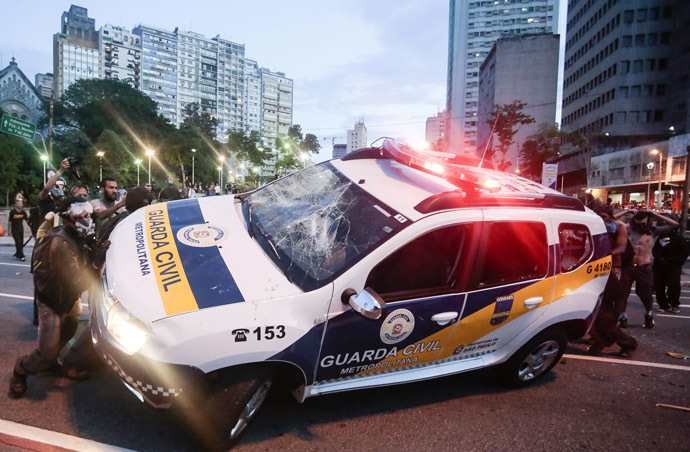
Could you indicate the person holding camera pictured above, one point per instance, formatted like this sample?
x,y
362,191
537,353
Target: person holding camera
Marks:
x,y
61,273
642,237
53,191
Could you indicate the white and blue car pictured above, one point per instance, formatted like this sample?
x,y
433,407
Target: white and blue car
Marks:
x,y
387,266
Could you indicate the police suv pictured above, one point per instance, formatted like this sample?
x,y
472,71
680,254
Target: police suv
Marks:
x,y
387,266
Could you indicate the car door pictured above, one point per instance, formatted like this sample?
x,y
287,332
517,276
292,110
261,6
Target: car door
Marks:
x,y
512,283
421,281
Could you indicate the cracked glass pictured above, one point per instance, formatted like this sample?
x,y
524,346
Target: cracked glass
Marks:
x,y
317,223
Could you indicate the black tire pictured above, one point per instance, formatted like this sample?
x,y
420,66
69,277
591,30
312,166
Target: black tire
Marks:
x,y
233,403
534,359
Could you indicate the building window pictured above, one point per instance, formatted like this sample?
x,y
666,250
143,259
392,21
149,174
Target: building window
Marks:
x,y
665,37
658,115
626,41
637,66
663,64
635,91
639,40
652,39
642,15
628,16
625,67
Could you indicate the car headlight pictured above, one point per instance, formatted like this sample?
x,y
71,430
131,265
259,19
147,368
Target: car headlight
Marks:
x,y
130,332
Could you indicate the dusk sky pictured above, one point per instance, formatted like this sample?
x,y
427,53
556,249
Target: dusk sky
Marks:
x,y
384,60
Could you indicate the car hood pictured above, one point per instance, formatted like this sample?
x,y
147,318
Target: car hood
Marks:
x,y
182,256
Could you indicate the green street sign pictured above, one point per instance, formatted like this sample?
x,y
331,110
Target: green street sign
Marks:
x,y
14,126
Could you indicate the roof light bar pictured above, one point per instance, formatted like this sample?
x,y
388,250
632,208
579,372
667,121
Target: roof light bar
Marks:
x,y
435,163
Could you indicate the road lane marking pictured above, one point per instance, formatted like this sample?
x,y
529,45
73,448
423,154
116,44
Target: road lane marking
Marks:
x,y
16,265
31,438
629,362
9,295
674,316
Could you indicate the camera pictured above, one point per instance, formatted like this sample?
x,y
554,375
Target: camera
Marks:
x,y
74,166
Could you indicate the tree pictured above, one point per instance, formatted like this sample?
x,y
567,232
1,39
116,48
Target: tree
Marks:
x,y
202,122
506,117
540,147
247,147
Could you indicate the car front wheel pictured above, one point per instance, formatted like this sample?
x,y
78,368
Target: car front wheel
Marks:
x,y
534,359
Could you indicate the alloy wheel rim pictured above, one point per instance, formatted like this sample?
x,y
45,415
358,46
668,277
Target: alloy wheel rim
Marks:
x,y
538,360
250,409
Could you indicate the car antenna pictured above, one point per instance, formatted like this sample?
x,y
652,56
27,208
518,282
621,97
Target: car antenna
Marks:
x,y
488,140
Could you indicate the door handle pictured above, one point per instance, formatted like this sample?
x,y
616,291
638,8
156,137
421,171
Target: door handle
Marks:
x,y
532,302
444,318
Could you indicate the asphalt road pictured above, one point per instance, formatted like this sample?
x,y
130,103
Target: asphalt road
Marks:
x,y
584,404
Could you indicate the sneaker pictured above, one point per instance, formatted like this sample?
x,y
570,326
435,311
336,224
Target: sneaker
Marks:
x,y
623,322
675,310
648,322
664,310
18,384
22,259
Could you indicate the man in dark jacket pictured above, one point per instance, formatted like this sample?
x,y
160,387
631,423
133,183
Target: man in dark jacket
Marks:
x,y
61,274
670,253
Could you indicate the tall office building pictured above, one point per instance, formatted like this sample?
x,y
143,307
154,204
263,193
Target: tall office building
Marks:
x,y
357,137
75,49
252,96
197,73
519,68
617,62
474,27
120,55
339,150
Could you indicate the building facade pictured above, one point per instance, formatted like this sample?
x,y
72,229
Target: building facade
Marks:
x,y
357,137
339,150
18,96
232,89
518,68
436,128
44,85
120,51
474,27
75,49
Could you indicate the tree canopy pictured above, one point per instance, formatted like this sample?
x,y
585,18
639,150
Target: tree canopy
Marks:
x,y
540,147
507,119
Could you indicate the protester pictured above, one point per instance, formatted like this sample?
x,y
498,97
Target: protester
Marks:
x,y
61,274
53,191
670,253
15,226
169,194
107,205
642,237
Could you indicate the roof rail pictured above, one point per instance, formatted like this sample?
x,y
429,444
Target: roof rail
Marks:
x,y
458,199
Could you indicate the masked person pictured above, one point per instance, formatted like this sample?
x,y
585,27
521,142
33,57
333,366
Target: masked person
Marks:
x,y
61,273
642,237
15,226
53,192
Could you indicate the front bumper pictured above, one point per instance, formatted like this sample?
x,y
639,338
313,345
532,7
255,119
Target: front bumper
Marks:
x,y
155,382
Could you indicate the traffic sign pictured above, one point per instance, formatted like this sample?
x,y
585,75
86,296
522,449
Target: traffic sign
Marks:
x,y
15,126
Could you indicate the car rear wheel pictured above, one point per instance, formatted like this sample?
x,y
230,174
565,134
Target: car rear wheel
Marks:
x,y
234,404
534,360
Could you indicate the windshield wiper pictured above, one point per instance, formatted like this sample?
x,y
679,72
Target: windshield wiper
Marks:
x,y
250,226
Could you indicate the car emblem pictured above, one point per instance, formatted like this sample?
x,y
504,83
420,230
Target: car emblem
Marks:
x,y
502,309
397,326
202,235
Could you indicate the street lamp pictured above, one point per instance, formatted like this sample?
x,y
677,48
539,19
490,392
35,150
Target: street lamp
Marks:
x,y
193,152
150,153
138,162
304,156
650,167
220,171
100,155
655,152
45,160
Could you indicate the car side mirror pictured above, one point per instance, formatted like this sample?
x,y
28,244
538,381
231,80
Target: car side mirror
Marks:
x,y
368,303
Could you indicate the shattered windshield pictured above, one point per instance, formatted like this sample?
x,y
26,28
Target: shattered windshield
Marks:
x,y
316,223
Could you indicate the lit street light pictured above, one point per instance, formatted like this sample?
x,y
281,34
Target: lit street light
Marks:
x,y
193,152
138,162
100,155
655,152
150,153
304,156
650,167
45,160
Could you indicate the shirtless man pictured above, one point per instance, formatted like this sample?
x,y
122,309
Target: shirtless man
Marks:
x,y
642,238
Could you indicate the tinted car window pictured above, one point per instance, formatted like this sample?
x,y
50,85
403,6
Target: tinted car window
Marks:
x,y
515,251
